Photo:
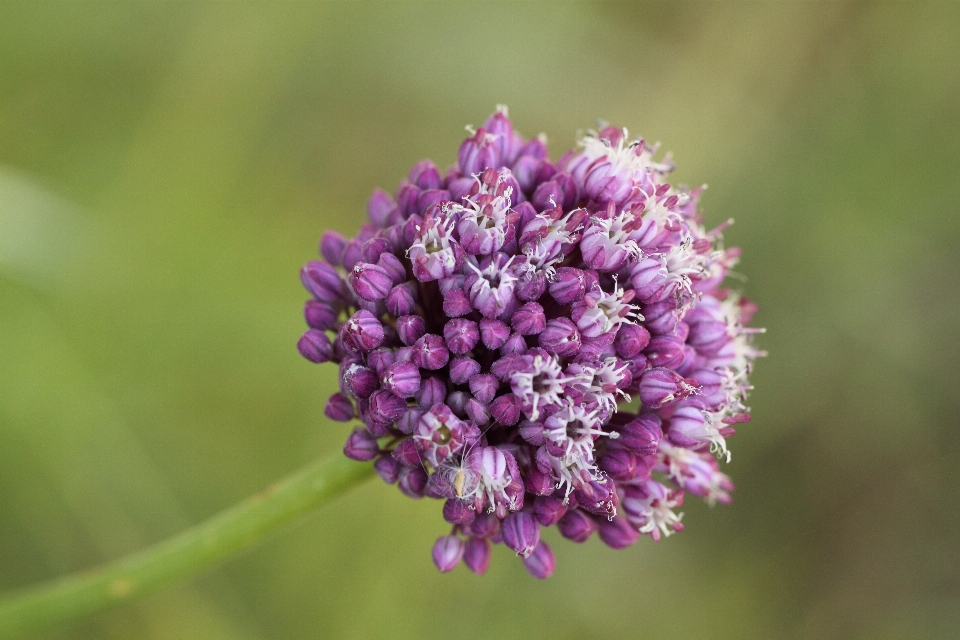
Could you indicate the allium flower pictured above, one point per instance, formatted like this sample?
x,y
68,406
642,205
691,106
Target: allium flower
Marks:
x,y
492,323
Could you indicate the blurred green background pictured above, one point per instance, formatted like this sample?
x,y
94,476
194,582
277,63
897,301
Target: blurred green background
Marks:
x,y
166,168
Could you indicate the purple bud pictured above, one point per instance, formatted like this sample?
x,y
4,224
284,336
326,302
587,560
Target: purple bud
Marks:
x,y
521,533
432,391
477,411
385,408
352,253
463,369
619,464
379,207
380,359
485,525
371,282
537,482
541,562
529,319
576,525
456,511
569,285
532,432
323,281
425,175
617,533
362,332
548,510
631,339
476,555
461,335
506,409
493,333
662,317
387,468
407,454
332,245
315,346
361,445
401,378
408,421
431,197
478,152
665,351
430,352
358,381
484,387
373,248
456,303
407,196
560,337
457,401
515,345
660,387
339,408
394,268
642,434
531,286
402,299
412,482
410,329
320,315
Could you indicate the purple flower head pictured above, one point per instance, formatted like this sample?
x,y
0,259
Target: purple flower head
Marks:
x,y
491,322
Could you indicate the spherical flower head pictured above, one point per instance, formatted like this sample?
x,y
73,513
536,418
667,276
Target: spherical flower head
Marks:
x,y
493,320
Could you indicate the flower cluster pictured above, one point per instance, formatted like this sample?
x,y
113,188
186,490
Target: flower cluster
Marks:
x,y
537,343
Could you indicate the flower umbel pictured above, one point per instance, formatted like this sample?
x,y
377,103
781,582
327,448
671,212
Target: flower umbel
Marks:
x,y
491,323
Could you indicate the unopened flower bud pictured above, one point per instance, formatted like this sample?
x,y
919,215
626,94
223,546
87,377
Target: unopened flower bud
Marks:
x,y
506,409
432,391
493,333
521,533
548,510
362,332
541,562
361,446
529,319
387,468
641,435
476,555
461,335
339,408
484,387
385,407
619,464
576,525
332,245
560,337
631,339
617,533
401,378
660,387
410,329
315,346
407,453
569,285
379,207
319,315
412,482
463,369
430,352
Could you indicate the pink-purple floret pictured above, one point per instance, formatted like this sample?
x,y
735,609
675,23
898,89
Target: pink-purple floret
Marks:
x,y
493,322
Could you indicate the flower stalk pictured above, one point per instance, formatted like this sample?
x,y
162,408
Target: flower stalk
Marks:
x,y
183,555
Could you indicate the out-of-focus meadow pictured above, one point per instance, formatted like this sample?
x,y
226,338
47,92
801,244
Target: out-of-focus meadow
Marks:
x,y
166,168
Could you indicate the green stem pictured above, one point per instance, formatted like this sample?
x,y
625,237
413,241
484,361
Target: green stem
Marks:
x,y
182,556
